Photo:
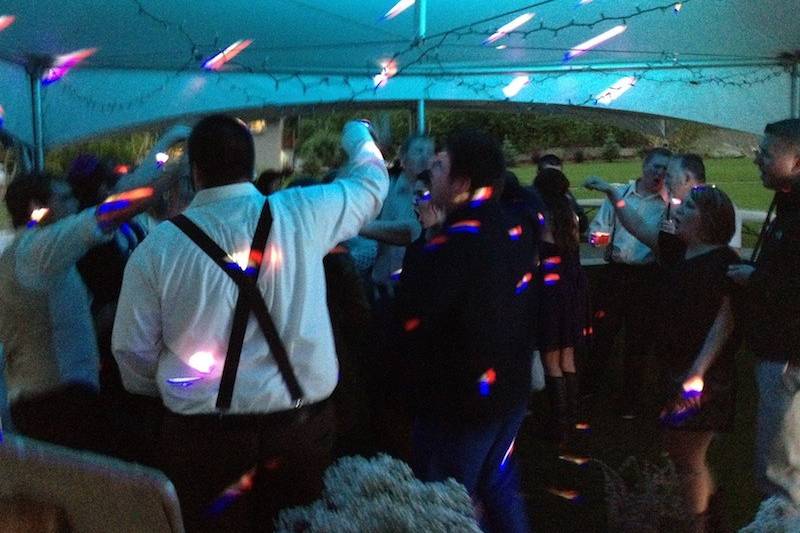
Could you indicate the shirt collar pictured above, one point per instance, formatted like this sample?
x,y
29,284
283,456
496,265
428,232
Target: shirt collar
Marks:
x,y
634,189
223,192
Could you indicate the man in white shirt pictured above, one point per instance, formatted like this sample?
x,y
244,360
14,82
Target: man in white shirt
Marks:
x,y
627,297
51,357
175,316
397,225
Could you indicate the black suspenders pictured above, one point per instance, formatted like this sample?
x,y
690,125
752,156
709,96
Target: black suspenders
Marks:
x,y
250,299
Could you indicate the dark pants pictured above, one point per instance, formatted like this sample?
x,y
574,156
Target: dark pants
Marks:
x,y
236,472
391,421
478,455
627,299
70,416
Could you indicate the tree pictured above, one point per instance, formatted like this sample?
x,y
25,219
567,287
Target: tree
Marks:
x,y
320,150
611,148
510,152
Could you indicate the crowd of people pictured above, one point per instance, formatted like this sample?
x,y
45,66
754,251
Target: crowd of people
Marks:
x,y
236,333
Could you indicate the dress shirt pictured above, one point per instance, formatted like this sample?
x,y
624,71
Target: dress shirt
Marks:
x,y
45,321
626,248
399,206
176,301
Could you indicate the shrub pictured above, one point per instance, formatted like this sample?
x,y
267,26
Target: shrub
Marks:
x,y
381,495
643,497
510,152
579,156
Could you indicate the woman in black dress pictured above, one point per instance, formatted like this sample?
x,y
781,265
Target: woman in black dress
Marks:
x,y
564,299
699,340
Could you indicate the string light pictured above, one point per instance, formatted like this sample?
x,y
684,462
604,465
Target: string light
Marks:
x,y
594,41
505,29
398,8
412,55
388,70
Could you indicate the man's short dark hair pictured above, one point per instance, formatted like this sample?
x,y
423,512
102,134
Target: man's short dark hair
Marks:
x,y
221,149
24,190
788,129
549,161
650,154
476,156
87,175
693,164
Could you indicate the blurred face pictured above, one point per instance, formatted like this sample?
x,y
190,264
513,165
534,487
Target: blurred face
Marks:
x,y
679,182
441,194
418,158
779,163
687,221
654,172
62,202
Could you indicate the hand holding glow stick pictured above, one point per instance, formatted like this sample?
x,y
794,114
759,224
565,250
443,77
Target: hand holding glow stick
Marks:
x,y
118,208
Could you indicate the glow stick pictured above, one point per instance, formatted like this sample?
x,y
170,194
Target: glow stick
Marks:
x,y
388,70
594,41
64,63
615,91
505,29
398,8
516,86
37,215
580,461
203,362
693,387
217,61
6,21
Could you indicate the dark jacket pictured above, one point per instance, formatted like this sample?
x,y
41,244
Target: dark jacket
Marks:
x,y
464,304
770,308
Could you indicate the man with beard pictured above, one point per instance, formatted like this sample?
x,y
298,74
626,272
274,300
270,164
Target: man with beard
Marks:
x,y
771,316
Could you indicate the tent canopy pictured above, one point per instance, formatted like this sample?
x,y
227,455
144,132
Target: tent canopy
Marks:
x,y
713,61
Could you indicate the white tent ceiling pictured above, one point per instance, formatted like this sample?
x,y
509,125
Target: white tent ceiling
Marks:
x,y
715,61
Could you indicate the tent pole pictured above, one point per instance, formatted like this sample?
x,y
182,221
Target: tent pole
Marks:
x,y
35,70
422,28
421,116
795,96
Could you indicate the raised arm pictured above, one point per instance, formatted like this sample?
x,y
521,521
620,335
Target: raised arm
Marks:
x,y
50,250
627,216
329,214
398,232
149,170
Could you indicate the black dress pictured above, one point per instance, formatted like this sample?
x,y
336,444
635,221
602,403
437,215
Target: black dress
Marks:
x,y
694,290
564,299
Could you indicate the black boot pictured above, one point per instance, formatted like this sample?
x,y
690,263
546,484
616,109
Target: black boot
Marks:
x,y
573,397
557,392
